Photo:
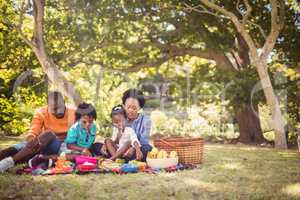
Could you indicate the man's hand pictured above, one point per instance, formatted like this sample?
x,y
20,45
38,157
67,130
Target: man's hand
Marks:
x,y
29,138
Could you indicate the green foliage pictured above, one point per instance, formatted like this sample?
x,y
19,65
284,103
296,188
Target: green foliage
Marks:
x,y
17,111
111,87
82,35
200,122
21,83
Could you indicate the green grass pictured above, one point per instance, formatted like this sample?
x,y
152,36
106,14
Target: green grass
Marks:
x,y
228,172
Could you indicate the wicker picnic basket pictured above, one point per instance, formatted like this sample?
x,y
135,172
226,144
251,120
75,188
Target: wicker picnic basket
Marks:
x,y
189,150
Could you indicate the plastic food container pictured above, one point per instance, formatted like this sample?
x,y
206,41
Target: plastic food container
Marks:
x,y
162,162
86,167
82,159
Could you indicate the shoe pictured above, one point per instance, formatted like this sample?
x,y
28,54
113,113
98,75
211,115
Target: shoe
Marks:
x,y
6,164
39,161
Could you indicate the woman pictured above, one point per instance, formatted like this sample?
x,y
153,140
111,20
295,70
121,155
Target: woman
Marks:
x,y
133,101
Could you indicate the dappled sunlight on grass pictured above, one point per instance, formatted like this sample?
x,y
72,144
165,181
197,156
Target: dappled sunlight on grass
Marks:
x,y
290,154
227,172
9,141
168,174
292,190
232,166
241,147
202,184
250,148
53,178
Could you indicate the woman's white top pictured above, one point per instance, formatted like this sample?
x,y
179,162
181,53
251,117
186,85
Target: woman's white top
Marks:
x,y
127,135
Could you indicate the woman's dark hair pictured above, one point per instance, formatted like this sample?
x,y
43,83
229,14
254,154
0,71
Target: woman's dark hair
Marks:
x,y
136,94
119,109
85,109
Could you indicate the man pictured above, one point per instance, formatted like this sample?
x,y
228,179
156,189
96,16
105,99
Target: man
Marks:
x,y
48,129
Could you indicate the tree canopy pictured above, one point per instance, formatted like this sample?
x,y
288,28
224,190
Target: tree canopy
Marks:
x,y
152,38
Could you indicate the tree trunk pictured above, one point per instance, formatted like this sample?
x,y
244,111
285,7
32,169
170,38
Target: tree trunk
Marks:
x,y
98,84
273,103
49,67
249,125
57,79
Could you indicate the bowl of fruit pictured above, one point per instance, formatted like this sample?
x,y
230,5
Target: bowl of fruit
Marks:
x,y
159,159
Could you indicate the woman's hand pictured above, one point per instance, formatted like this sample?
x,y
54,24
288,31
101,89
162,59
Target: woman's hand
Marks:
x,y
139,154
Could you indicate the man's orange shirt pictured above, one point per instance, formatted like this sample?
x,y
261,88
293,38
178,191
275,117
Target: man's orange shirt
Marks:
x,y
43,121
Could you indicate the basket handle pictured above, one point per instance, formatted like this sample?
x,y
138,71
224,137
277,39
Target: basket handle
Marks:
x,y
167,143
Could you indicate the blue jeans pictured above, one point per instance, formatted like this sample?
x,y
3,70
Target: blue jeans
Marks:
x,y
96,149
20,146
53,147
145,148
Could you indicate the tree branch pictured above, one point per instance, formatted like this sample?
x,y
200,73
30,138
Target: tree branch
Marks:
x,y
237,7
261,30
240,28
277,23
38,22
172,50
248,12
18,27
203,11
136,67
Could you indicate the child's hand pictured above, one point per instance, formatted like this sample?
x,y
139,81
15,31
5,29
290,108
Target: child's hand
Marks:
x,y
139,154
86,152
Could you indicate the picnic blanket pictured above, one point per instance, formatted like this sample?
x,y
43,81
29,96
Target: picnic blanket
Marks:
x,y
86,165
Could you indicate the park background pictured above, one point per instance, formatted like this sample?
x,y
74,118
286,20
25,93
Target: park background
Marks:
x,y
199,75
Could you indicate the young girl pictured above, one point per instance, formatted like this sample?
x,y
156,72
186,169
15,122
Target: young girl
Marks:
x,y
82,134
80,137
122,138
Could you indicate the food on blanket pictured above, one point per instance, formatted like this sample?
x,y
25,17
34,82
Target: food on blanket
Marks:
x,y
154,150
64,169
62,156
153,153
162,154
62,161
119,160
173,154
62,165
139,164
156,154
129,168
162,160
100,160
108,164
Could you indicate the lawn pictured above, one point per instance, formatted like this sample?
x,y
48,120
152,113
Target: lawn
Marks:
x,y
228,172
